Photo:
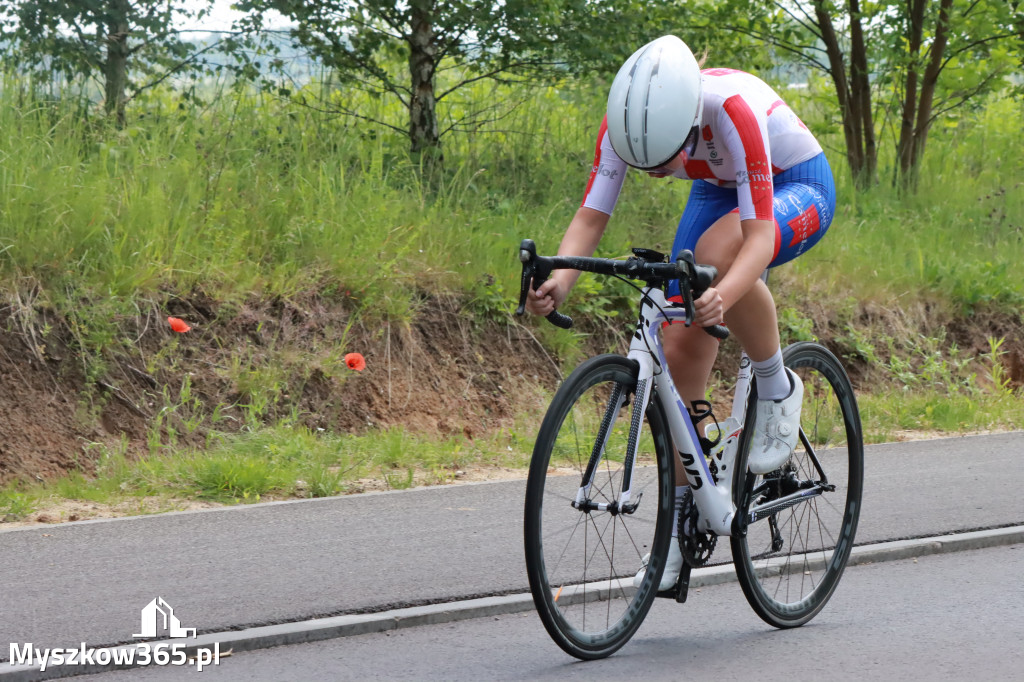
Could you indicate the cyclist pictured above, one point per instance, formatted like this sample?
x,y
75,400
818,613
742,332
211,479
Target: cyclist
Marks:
x,y
762,195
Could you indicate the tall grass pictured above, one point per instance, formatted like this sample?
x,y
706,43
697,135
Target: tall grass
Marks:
x,y
258,194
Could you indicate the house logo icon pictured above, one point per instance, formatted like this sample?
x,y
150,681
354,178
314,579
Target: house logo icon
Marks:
x,y
158,615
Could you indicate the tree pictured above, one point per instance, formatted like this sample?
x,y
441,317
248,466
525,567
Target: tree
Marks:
x,y
968,44
421,52
911,60
121,42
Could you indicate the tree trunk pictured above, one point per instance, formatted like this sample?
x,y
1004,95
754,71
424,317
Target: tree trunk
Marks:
x,y
423,129
851,116
928,82
860,76
115,69
905,147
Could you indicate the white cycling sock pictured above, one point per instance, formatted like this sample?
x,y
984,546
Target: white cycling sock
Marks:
x,y
772,381
675,507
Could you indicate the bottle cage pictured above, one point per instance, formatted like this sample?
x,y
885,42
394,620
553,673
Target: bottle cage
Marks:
x,y
700,410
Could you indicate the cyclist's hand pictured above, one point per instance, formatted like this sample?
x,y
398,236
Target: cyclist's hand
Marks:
x,y
546,298
709,310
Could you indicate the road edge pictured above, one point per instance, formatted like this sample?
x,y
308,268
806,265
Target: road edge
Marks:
x,y
319,629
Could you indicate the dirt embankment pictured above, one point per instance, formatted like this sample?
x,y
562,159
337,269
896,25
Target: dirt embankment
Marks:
x,y
443,372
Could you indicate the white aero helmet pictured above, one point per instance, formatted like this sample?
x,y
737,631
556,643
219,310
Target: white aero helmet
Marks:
x,y
654,102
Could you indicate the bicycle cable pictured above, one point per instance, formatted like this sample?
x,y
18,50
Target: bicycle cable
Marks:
x,y
646,297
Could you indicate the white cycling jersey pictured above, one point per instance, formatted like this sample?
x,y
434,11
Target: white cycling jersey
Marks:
x,y
747,135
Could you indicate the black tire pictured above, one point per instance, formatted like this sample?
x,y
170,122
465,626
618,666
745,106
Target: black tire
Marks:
x,y
581,564
788,584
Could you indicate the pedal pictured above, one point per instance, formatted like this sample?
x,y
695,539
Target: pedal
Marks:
x,y
683,585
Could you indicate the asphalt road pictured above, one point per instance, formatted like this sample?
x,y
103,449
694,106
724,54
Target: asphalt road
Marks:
x,y
272,563
956,616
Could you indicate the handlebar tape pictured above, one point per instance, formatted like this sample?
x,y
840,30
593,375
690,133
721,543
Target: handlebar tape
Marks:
x,y
719,331
560,320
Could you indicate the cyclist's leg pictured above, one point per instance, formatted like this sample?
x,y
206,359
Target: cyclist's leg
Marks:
x,y
804,205
690,352
710,227
804,202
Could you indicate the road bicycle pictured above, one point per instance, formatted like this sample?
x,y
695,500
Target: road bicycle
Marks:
x,y
600,494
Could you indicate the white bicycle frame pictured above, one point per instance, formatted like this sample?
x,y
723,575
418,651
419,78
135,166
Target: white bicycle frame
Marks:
x,y
713,498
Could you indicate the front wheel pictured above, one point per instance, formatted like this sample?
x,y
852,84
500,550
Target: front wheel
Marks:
x,y
801,519
584,542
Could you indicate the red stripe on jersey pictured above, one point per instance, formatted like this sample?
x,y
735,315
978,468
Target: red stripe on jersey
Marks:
x,y
776,170
759,172
804,225
775,105
698,170
597,159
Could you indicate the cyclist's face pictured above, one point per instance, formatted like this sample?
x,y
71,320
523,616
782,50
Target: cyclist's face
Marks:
x,y
679,161
669,168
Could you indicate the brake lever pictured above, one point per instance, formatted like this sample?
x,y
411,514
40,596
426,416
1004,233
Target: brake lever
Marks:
x,y
528,257
535,273
685,264
703,275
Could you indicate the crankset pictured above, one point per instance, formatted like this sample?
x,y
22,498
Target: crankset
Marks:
x,y
695,545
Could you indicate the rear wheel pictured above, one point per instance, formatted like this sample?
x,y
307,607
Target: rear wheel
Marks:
x,y
582,558
801,519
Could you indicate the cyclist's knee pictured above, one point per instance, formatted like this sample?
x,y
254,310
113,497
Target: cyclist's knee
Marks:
x,y
691,356
681,341
720,244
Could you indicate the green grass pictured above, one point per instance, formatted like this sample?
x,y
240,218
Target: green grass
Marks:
x,y
276,463
16,504
893,414
953,244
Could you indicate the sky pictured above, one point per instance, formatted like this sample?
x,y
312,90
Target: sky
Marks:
x,y
220,18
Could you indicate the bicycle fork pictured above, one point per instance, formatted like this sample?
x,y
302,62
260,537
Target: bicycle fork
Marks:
x,y
615,403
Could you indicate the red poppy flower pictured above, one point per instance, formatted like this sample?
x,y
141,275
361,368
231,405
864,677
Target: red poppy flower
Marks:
x,y
355,361
178,325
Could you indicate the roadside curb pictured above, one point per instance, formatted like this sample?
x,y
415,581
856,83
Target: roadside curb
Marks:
x,y
346,626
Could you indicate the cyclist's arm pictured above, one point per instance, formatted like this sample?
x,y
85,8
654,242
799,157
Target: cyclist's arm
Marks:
x,y
587,226
746,139
581,239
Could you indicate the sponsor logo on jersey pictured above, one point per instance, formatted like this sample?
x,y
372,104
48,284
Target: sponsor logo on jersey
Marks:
x,y
743,177
709,144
